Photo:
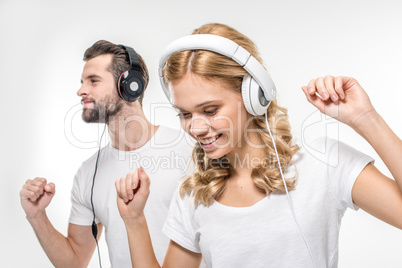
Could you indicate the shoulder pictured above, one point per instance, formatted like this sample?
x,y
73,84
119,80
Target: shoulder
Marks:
x,y
329,148
183,200
180,225
87,167
330,157
90,162
327,154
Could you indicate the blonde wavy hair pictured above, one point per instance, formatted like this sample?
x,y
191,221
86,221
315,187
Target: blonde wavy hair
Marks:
x,y
208,181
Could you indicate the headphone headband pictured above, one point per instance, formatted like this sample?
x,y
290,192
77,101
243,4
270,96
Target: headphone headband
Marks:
x,y
132,58
222,46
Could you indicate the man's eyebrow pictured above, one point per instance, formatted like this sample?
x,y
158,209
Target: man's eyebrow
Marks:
x,y
197,106
91,76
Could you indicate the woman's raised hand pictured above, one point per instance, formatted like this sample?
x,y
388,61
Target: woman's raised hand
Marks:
x,y
340,97
132,194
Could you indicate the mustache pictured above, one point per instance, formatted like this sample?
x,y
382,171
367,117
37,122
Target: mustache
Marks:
x,y
87,99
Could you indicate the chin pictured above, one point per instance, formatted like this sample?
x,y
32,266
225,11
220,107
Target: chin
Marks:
x,y
217,153
213,155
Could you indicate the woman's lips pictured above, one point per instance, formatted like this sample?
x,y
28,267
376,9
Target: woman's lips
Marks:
x,y
208,143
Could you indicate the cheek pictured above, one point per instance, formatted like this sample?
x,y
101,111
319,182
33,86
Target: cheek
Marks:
x,y
234,124
225,124
185,125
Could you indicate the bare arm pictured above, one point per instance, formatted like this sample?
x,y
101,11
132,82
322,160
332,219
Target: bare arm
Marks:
x,y
141,250
132,195
76,249
372,191
385,142
177,256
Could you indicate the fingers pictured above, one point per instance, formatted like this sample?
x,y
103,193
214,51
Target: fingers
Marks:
x,y
133,183
311,87
123,191
314,99
121,188
125,186
33,189
321,88
129,186
339,87
329,88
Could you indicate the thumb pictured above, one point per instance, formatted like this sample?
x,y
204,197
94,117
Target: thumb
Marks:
x,y
48,193
50,188
346,82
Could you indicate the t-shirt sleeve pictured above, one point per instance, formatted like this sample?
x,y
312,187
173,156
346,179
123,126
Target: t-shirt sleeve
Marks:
x,y
81,212
344,166
180,225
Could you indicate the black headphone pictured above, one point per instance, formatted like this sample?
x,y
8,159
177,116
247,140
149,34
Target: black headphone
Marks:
x,y
130,85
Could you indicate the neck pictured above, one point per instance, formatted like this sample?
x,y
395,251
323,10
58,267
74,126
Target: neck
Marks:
x,y
130,129
246,156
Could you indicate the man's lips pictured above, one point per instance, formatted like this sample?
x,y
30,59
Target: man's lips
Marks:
x,y
87,103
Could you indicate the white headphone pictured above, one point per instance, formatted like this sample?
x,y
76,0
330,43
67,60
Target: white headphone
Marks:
x,y
258,89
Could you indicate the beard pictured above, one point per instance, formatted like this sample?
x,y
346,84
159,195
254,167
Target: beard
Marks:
x,y
102,111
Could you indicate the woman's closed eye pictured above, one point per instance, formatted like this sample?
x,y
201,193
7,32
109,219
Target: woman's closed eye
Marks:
x,y
211,112
184,115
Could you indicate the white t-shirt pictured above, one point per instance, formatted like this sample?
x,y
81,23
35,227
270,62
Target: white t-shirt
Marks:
x,y
265,234
166,158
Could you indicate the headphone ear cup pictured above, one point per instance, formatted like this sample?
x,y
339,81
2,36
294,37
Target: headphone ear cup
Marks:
x,y
130,86
253,97
119,86
259,103
245,93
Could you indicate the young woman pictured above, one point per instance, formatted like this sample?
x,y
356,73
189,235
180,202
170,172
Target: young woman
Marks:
x,y
233,211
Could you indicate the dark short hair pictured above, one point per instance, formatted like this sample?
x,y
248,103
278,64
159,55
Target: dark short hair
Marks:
x,y
120,62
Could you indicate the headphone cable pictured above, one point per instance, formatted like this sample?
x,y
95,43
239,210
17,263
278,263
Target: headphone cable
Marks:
x,y
288,196
94,226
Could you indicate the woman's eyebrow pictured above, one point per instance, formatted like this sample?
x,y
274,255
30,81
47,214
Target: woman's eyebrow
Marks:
x,y
197,106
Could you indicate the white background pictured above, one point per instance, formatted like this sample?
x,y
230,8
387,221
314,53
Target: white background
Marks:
x,y
41,49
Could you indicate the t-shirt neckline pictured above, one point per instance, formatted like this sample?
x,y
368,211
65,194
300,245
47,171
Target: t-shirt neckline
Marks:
x,y
142,148
252,207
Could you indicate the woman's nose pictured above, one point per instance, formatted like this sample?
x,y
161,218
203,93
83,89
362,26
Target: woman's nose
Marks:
x,y
200,126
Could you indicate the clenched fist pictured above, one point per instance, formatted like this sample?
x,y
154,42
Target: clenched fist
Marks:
x,y
36,195
132,194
